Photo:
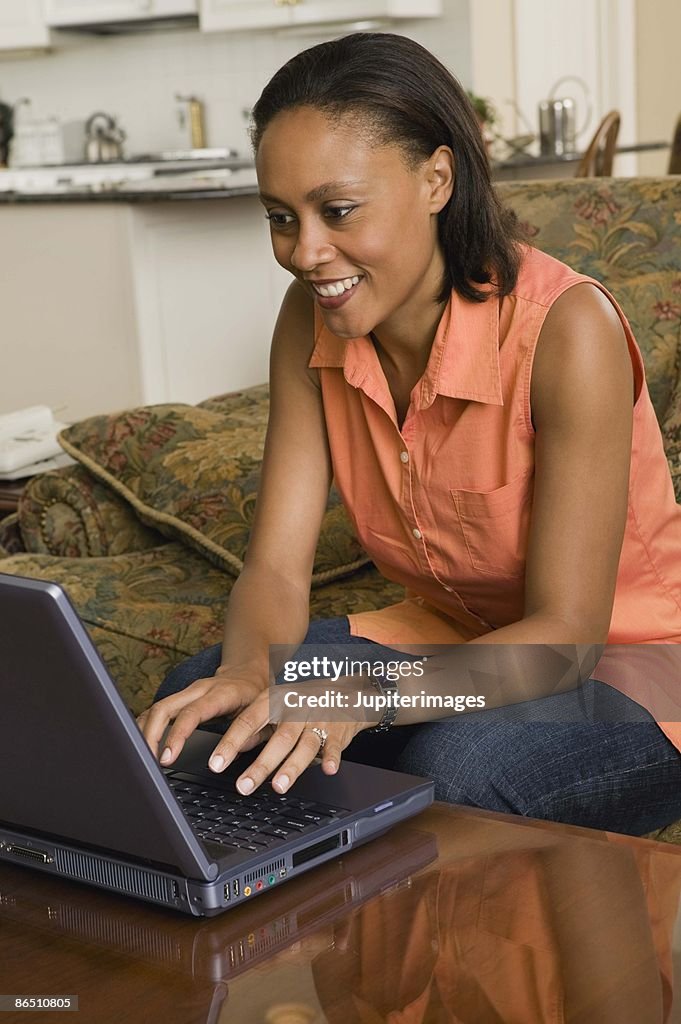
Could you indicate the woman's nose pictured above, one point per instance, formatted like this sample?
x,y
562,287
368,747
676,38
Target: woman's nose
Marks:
x,y
311,248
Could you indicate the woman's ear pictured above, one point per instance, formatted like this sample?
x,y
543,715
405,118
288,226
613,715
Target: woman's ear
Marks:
x,y
440,176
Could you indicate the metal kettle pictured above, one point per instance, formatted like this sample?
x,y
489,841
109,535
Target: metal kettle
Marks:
x,y
103,139
558,132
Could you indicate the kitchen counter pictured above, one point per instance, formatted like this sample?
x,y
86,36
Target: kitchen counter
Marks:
x,y
134,295
161,188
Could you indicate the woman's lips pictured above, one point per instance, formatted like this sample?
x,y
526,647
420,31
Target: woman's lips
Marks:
x,y
336,301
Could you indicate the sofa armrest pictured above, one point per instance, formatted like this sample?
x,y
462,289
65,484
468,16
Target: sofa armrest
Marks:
x,y
68,512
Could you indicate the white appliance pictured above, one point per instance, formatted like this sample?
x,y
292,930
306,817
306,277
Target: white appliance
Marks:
x,y
28,437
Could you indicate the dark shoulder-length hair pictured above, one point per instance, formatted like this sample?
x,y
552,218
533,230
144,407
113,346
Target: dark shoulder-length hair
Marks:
x,y
404,96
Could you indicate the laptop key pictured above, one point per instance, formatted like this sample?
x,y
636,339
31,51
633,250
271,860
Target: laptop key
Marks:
x,y
278,831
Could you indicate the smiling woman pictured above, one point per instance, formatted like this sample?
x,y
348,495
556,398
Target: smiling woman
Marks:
x,y
484,413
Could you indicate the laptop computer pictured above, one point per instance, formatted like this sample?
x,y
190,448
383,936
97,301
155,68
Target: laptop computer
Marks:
x,y
82,796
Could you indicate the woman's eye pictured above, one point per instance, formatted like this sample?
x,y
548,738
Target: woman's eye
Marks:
x,y
279,220
339,212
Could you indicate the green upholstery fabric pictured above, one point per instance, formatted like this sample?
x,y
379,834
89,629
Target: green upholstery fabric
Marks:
x,y
193,473
148,610
69,512
625,232
151,591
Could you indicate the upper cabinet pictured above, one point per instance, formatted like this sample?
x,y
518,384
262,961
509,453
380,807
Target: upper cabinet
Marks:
x,y
232,15
62,13
22,25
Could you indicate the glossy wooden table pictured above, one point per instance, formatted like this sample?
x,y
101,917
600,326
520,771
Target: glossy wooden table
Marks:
x,y
459,916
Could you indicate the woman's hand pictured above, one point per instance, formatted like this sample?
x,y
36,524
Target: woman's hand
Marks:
x,y
291,712
287,714
226,693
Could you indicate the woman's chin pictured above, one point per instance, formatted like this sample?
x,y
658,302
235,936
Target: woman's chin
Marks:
x,y
344,327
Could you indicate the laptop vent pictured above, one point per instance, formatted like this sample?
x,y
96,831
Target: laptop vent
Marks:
x,y
276,865
115,876
109,932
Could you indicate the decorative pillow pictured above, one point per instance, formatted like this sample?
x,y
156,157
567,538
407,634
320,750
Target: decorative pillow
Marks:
x,y
192,473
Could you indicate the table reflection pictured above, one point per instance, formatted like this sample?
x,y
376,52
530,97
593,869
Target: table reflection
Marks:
x,y
470,919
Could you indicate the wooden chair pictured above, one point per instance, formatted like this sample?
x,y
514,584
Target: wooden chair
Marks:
x,y
598,158
675,157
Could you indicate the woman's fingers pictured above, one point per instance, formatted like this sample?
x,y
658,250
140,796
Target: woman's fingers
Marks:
x,y
154,720
199,702
296,757
309,746
291,749
239,736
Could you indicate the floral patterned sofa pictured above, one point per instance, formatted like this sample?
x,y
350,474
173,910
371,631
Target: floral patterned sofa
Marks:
x,y
148,529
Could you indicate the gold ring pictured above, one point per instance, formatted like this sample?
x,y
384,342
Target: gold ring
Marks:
x,y
321,734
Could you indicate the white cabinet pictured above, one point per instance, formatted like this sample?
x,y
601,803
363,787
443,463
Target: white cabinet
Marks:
x,y
22,25
208,291
62,13
229,15
308,12
234,15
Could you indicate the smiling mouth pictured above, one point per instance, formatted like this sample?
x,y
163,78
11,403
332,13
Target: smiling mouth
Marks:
x,y
337,288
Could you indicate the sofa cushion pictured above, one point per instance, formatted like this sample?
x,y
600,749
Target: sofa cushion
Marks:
x,y
192,473
627,234
70,512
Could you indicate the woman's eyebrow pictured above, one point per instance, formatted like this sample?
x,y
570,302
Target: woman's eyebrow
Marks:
x,y
321,191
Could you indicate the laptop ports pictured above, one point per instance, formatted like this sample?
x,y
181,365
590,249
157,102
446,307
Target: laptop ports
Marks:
x,y
29,854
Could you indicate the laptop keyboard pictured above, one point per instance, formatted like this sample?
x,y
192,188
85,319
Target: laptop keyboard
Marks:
x,y
254,823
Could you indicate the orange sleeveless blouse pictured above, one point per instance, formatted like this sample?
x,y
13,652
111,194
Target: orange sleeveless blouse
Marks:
x,y
443,505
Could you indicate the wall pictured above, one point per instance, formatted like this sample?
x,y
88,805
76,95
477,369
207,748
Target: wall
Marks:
x,y
658,31
136,77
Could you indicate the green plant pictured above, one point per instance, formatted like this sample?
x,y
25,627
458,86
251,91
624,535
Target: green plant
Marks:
x,y
484,108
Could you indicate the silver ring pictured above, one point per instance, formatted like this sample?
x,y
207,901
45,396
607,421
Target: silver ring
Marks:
x,y
321,734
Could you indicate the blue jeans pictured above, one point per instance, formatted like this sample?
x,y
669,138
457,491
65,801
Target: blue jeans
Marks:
x,y
621,774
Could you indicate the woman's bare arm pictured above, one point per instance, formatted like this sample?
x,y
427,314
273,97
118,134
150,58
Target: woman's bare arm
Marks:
x,y
269,603
582,405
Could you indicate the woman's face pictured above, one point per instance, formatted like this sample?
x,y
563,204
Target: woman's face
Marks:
x,y
352,222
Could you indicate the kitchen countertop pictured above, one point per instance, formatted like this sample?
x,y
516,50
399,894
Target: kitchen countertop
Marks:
x,y
164,188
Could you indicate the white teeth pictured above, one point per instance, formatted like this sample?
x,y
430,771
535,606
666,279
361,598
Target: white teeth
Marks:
x,y
328,291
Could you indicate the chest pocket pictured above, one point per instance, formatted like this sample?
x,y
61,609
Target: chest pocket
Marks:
x,y
495,526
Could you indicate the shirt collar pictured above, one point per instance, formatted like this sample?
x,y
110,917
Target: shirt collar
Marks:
x,y
463,362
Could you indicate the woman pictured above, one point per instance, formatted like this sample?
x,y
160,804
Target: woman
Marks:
x,y
481,408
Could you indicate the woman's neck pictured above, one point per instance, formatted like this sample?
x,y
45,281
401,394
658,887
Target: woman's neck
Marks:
x,y
406,346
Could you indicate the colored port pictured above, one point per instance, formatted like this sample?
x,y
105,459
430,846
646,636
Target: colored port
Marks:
x,y
247,890
260,885
272,879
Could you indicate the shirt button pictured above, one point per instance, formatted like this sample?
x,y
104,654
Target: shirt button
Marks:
x,y
404,456
417,534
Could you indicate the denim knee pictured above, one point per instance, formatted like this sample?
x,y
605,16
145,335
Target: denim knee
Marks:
x,y
200,666
469,765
